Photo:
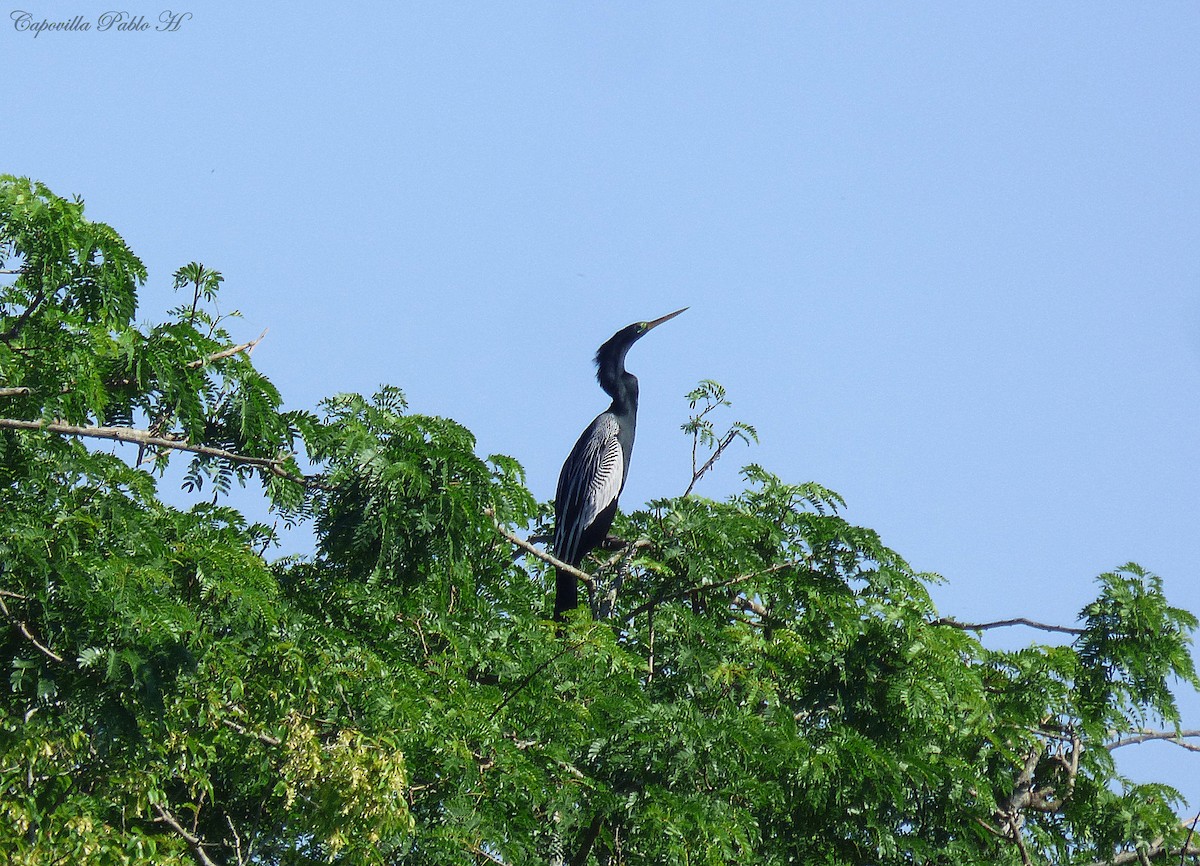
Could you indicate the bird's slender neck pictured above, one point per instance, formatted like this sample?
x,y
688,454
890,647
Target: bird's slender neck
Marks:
x,y
616,381
624,393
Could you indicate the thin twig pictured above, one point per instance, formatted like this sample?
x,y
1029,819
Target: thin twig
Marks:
x,y
246,732
707,587
650,648
1188,841
1004,623
17,325
708,464
488,858
521,686
24,629
228,353
237,840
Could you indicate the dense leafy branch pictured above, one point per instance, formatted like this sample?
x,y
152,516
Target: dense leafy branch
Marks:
x,y
761,680
703,433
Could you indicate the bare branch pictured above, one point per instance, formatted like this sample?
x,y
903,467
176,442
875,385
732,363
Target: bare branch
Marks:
x,y
246,732
650,648
1020,843
1147,734
14,392
237,841
1144,854
1004,623
24,629
587,840
603,603
228,353
1187,843
541,554
487,858
192,839
146,439
708,464
750,605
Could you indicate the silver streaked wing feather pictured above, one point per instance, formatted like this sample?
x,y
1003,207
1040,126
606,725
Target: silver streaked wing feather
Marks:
x,y
597,473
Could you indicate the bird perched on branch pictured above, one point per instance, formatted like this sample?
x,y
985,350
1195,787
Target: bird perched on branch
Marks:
x,y
594,474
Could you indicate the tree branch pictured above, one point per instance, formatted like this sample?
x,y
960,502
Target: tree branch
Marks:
x,y
17,325
1127,857
192,839
24,629
228,353
697,474
14,392
1004,623
1147,734
540,554
587,841
528,679
147,439
246,732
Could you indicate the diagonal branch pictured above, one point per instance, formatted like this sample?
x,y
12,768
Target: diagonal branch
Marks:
x,y
533,675
541,554
1156,848
697,474
24,629
15,328
1004,623
246,732
194,842
228,353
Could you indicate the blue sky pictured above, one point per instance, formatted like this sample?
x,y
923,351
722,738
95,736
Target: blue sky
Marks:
x,y
942,255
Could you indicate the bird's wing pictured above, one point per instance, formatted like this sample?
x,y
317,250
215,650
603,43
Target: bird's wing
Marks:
x,y
591,480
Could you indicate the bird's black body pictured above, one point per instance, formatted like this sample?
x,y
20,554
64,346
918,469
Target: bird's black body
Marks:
x,y
594,474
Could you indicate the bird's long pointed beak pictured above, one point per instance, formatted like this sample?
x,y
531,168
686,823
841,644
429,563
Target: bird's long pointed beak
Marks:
x,y
665,318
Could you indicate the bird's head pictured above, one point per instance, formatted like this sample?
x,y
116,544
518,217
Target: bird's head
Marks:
x,y
610,358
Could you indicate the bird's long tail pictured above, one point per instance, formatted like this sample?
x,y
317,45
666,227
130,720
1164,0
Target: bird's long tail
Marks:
x,y
566,593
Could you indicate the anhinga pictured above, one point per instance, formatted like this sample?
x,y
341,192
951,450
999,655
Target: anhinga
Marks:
x,y
594,474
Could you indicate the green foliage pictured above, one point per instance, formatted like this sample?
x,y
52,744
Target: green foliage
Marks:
x,y
769,683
